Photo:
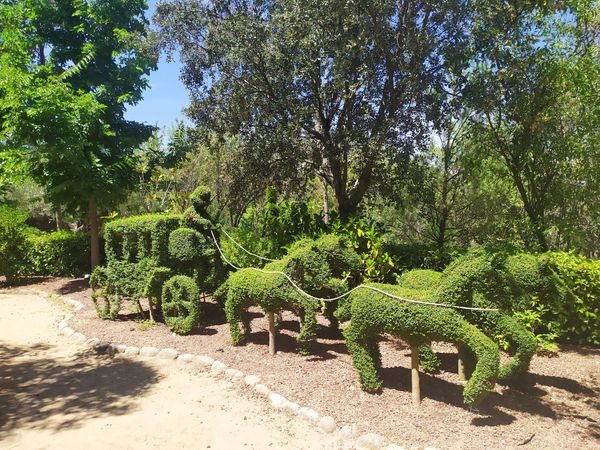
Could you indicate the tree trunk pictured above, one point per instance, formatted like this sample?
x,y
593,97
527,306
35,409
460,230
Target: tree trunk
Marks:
x,y
326,217
94,234
58,216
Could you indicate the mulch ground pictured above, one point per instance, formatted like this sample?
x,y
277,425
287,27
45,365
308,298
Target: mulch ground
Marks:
x,y
556,407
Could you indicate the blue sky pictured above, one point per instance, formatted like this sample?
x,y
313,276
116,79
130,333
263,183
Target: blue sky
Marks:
x,y
165,98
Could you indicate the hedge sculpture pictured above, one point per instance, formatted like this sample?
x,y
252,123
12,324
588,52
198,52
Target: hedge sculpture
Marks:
x,y
322,268
373,314
168,259
486,281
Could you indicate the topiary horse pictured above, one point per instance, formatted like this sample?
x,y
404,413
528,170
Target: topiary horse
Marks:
x,y
322,268
372,313
482,280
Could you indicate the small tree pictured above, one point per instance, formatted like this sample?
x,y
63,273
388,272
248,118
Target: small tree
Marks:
x,y
68,71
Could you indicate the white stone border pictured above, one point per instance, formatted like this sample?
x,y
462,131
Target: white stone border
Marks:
x,y
346,435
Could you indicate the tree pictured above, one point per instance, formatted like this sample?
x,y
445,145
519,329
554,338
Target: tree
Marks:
x,y
341,89
535,109
68,71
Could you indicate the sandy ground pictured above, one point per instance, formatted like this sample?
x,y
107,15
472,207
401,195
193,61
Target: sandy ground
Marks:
x,y
54,395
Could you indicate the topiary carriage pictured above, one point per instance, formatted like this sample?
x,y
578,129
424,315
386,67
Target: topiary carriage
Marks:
x,y
167,259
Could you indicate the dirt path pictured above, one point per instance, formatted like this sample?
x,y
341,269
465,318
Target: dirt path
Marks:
x,y
53,394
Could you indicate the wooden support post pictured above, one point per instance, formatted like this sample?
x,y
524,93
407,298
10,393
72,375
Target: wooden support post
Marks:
x,y
414,363
461,367
272,331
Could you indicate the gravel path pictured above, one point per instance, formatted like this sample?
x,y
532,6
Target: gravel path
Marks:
x,y
54,395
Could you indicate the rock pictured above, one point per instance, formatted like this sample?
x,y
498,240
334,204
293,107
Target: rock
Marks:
x,y
372,441
277,400
118,348
327,424
103,347
68,331
148,352
218,367
294,407
251,380
168,353
78,338
309,414
63,324
186,358
234,374
92,342
262,389
203,361
347,432
132,351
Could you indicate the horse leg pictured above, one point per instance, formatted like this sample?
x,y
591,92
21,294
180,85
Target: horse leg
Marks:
x,y
308,329
361,350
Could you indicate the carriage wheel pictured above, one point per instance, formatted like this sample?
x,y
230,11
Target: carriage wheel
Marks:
x,y
180,304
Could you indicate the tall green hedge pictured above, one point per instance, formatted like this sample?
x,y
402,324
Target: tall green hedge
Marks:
x,y
575,310
13,243
61,253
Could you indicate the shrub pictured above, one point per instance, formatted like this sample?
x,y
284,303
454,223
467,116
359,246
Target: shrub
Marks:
x,y
420,279
576,307
61,253
180,304
374,314
378,264
13,244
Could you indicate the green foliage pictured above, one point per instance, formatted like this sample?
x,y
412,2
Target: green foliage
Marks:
x,y
61,253
13,243
324,267
576,313
378,265
268,228
374,314
421,279
68,70
181,304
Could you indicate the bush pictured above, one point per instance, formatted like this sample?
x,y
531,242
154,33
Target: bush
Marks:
x,y
13,243
420,279
61,253
576,307
374,314
378,264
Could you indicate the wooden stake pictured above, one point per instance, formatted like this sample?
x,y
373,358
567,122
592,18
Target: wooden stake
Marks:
x,y
271,317
416,387
461,367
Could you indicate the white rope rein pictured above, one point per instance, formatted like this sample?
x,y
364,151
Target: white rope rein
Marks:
x,y
360,286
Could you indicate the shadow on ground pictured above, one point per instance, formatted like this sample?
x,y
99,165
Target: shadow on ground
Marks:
x,y
40,391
